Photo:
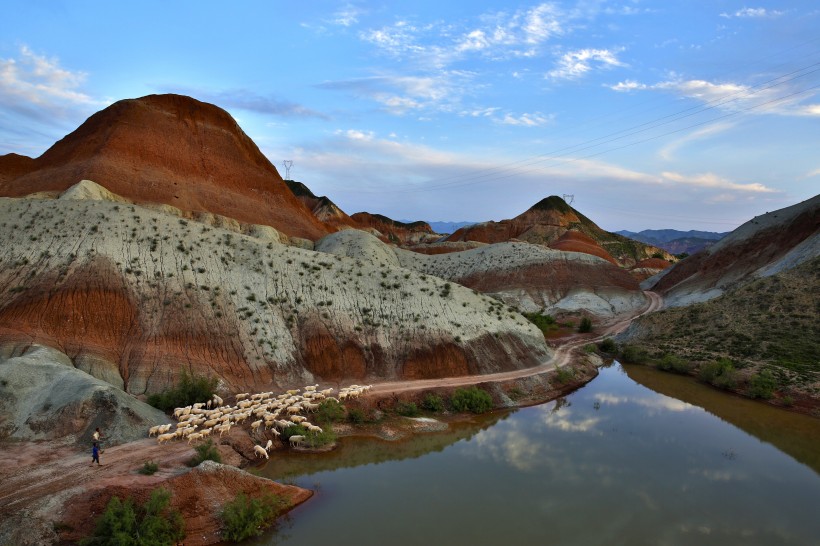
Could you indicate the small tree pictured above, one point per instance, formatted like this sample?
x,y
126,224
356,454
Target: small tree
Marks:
x,y
205,452
762,385
585,326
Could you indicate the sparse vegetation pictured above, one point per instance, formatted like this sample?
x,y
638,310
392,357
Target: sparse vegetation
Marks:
x,y
407,409
762,385
244,517
152,524
205,452
433,402
471,399
149,468
191,389
330,411
585,326
543,322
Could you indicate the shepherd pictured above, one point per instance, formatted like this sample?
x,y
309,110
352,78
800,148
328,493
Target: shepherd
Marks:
x,y
95,454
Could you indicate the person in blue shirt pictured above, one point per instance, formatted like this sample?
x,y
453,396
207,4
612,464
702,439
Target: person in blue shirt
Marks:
x,y
95,454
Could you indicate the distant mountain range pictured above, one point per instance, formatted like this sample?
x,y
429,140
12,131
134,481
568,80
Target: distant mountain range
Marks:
x,y
675,241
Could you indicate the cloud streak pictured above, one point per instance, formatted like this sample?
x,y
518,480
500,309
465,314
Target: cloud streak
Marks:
x,y
244,99
572,65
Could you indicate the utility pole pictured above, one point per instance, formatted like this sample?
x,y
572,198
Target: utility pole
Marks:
x,y
568,199
288,164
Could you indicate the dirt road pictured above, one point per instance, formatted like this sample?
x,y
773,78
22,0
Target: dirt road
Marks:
x,y
562,356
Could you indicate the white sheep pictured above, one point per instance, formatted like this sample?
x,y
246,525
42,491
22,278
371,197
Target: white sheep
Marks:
x,y
269,445
296,439
217,401
260,452
313,428
297,418
241,396
162,438
154,430
194,436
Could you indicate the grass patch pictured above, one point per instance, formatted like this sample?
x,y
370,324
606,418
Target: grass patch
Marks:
x,y
244,517
544,323
433,402
191,389
407,409
205,452
330,411
149,468
124,523
471,399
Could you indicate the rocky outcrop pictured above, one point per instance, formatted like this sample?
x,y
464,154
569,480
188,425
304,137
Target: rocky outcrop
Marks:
x,y
172,150
136,296
395,232
546,222
763,246
526,276
647,268
444,247
325,210
44,397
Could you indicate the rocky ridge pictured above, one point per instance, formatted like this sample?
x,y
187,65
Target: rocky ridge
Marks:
x,y
551,218
528,277
146,294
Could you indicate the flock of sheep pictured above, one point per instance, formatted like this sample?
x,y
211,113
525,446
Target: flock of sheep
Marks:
x,y
201,420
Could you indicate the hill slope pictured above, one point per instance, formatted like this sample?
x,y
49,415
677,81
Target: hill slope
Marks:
x,y
762,246
547,221
167,149
136,296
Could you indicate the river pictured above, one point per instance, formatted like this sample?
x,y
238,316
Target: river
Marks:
x,y
615,462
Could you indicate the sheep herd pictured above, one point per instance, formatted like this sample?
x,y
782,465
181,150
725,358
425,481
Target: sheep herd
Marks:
x,y
201,420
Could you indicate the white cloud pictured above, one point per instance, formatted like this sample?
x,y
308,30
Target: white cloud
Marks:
x,y
708,131
773,98
713,181
753,13
347,16
40,81
815,172
527,120
400,94
574,64
628,85
655,402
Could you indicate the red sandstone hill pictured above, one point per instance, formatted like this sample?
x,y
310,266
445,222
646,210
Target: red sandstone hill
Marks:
x,y
167,149
325,210
547,221
761,247
575,241
393,231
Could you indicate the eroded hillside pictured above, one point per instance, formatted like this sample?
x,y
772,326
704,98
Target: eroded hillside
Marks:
x,y
136,294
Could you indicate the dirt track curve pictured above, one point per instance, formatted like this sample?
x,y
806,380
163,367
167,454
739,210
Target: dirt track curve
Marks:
x,y
561,357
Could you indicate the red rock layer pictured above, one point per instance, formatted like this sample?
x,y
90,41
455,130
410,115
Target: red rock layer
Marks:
x,y
575,241
167,149
652,263
738,259
399,233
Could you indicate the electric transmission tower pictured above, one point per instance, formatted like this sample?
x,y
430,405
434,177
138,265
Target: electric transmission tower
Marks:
x,y
288,164
568,199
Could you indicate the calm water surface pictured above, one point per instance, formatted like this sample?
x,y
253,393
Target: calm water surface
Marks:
x,y
613,463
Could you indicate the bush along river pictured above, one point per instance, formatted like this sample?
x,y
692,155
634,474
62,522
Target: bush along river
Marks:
x,y
615,462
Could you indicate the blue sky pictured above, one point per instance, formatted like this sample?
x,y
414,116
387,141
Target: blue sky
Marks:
x,y
653,114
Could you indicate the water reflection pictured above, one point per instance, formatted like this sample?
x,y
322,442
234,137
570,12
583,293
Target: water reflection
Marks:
x,y
613,463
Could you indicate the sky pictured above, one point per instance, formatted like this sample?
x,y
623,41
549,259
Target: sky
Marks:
x,y
650,114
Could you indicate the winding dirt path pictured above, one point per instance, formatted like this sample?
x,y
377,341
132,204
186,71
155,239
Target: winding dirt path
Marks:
x,y
562,356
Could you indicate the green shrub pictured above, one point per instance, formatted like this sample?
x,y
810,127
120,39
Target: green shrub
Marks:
x,y
407,409
433,402
190,390
632,354
205,452
152,524
543,322
564,375
608,345
355,416
471,399
149,468
762,385
675,364
330,411
712,370
585,326
243,517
